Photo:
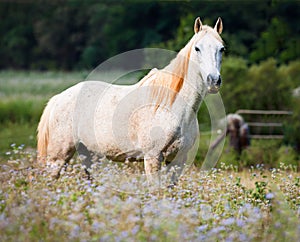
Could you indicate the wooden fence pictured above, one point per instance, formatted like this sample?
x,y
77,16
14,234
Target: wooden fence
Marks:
x,y
265,124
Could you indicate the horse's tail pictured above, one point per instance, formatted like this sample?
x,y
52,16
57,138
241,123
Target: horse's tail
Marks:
x,y
43,132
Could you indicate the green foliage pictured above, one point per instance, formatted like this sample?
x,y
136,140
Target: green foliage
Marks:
x,y
292,126
183,34
260,152
270,153
229,157
234,72
81,34
259,192
271,41
23,95
291,73
20,111
20,133
287,156
265,86
277,41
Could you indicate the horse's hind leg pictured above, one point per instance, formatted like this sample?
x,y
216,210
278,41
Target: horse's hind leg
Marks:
x,y
58,157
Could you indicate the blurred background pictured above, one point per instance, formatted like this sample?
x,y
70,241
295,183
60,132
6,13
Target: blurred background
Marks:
x,y
69,35
47,46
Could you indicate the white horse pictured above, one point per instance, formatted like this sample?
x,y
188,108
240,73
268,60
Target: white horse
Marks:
x,y
153,120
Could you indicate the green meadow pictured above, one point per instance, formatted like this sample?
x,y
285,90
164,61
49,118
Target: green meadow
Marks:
x,y
23,95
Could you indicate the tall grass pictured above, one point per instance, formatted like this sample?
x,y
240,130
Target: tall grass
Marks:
x,y
23,96
215,205
33,83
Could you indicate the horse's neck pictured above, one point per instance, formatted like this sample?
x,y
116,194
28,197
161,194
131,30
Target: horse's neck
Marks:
x,y
192,90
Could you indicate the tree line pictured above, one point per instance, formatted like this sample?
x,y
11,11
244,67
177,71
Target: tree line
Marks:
x,y
71,34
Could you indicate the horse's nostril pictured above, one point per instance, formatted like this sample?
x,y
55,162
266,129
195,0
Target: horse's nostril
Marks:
x,y
214,80
219,81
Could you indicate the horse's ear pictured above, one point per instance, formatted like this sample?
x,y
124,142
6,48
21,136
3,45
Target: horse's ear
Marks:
x,y
219,26
198,25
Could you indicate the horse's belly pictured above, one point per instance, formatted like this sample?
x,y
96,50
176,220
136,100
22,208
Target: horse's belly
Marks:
x,y
115,153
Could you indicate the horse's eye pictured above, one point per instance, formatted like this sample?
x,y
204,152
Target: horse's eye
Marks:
x,y
197,49
222,49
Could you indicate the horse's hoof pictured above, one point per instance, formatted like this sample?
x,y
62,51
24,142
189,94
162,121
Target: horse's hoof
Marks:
x,y
55,175
171,186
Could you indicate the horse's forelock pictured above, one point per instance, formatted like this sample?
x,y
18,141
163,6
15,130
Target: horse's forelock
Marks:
x,y
207,29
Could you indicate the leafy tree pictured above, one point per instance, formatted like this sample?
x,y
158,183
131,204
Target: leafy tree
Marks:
x,y
17,38
61,34
81,34
276,41
263,86
234,71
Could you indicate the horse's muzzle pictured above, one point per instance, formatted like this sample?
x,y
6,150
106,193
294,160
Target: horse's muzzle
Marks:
x,y
213,84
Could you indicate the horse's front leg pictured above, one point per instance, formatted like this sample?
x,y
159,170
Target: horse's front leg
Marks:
x,y
55,167
176,167
152,165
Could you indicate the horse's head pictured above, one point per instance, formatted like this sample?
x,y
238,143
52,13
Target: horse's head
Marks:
x,y
207,53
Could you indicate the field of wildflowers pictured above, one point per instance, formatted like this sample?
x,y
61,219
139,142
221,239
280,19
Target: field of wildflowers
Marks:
x,y
237,201
256,204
